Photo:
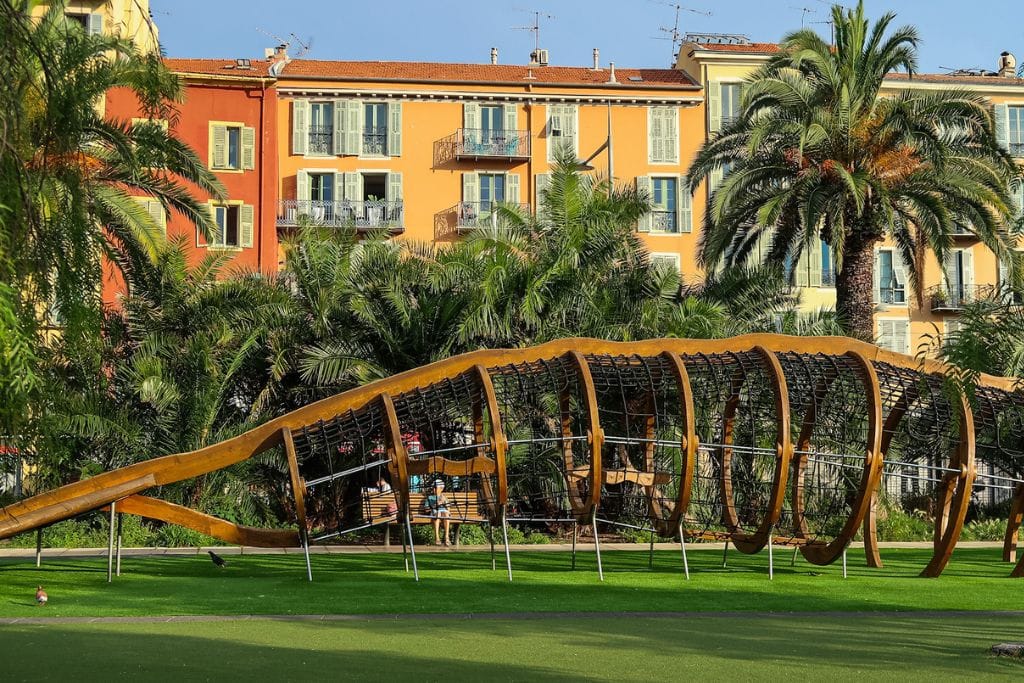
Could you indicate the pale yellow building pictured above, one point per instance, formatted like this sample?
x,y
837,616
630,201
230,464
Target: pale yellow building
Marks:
x,y
130,19
904,322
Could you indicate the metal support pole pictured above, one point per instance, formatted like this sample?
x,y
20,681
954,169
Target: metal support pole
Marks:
x,y
39,547
650,552
305,549
792,562
490,536
597,546
405,555
844,563
682,549
504,535
118,571
725,553
412,548
771,562
575,530
110,543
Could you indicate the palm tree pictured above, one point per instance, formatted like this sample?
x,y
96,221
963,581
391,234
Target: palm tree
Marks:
x,y
817,152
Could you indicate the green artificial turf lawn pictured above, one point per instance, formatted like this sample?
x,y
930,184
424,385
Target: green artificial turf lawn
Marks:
x,y
536,649
462,582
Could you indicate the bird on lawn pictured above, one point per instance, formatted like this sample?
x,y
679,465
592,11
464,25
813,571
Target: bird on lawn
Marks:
x,y
217,559
41,596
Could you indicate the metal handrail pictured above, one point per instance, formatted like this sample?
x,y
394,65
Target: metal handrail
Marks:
x,y
481,142
955,296
365,215
482,214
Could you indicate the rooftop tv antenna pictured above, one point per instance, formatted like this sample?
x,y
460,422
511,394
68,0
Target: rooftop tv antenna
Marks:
x,y
804,11
304,46
673,33
535,26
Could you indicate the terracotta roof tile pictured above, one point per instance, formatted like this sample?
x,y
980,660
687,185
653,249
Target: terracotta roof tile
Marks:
x,y
218,67
491,73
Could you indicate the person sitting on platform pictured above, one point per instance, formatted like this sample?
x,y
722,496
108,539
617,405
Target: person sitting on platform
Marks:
x,y
436,505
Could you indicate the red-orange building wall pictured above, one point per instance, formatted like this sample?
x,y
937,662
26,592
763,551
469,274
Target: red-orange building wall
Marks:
x,y
251,102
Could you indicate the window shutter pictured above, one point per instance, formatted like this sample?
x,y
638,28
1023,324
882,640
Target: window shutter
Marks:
x,y
643,186
684,206
248,148
968,269
302,186
670,126
95,24
395,129
555,124
655,152
801,276
876,284
511,115
470,188
1004,281
339,188
246,215
339,141
814,261
470,126
543,182
569,119
901,336
300,127
1001,113
394,188
512,188
353,187
156,211
899,269
715,107
715,179
220,146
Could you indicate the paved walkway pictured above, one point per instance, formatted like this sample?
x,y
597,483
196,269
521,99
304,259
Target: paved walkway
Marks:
x,y
363,549
505,616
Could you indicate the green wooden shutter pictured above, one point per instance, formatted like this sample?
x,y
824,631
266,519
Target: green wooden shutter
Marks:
x,y
302,186
353,187
1001,112
339,140
715,179
655,136
339,188
543,181
95,22
393,193
670,132
814,261
571,111
354,115
968,267
248,148
220,146
395,129
876,279
511,115
801,271
156,211
300,127
470,126
512,188
684,206
644,187
901,335
555,123
715,107
471,188
246,214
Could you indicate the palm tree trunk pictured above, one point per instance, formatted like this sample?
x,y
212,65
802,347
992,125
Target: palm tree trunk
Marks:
x,y
855,302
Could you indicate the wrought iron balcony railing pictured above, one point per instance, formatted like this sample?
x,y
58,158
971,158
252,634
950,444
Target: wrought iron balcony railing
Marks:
x,y
893,295
368,215
375,140
1016,149
828,277
954,297
321,140
478,143
482,214
664,221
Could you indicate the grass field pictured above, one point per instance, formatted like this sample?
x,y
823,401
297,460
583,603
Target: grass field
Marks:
x,y
463,582
538,647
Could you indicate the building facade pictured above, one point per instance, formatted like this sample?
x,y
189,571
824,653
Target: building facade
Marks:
x,y
128,19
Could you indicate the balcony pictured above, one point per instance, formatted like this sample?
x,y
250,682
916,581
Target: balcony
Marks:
x,y
962,232
321,140
473,215
1016,149
955,297
375,141
362,216
476,143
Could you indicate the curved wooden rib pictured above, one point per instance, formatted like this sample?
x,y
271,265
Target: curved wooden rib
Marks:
x,y
956,494
221,529
827,553
398,457
298,486
689,442
1013,523
595,435
755,542
72,499
803,445
499,443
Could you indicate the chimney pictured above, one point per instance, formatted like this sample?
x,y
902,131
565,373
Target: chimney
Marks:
x,y
1007,65
494,55
268,53
611,72
281,51
597,59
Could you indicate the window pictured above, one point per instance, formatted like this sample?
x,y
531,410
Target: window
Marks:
x,y
663,135
891,278
1012,295
375,128
492,189
1015,131
561,128
155,210
232,147
731,93
491,122
828,273
893,335
321,128
958,269
663,201
92,23
234,226
665,260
